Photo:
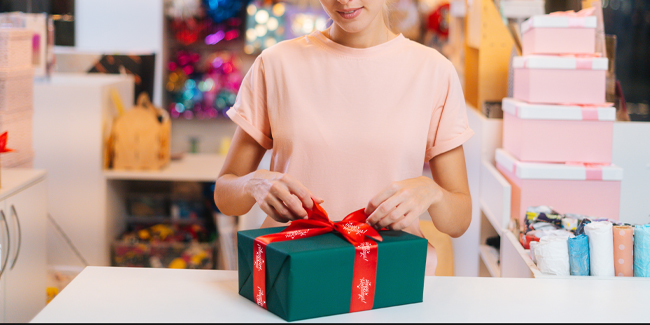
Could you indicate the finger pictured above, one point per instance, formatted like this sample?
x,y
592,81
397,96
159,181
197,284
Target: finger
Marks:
x,y
408,219
296,188
271,212
289,201
280,208
384,209
393,217
382,196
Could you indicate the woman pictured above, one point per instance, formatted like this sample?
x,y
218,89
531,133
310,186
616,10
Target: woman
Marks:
x,y
351,114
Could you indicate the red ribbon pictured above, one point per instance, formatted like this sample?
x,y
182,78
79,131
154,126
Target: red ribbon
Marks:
x,y
353,228
3,143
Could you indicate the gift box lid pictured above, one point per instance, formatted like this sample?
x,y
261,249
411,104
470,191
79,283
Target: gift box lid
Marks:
x,y
528,111
557,171
559,62
552,21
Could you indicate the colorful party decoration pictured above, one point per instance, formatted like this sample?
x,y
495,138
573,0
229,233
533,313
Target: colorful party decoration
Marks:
x,y
203,88
221,10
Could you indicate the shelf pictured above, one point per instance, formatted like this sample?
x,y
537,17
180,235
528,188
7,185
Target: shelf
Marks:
x,y
162,219
192,167
490,218
490,256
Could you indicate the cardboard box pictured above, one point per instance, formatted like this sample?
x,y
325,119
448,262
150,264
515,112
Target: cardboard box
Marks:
x,y
587,190
558,133
559,79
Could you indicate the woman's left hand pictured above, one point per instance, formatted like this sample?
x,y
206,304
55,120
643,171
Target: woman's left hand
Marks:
x,y
401,203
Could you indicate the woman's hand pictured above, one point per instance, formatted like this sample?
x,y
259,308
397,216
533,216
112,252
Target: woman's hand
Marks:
x,y
280,196
401,203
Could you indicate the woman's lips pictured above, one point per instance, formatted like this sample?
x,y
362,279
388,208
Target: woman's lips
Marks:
x,y
350,13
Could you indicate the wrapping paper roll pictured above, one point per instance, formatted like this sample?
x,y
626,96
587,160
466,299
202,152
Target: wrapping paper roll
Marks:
x,y
642,250
601,248
552,255
623,248
579,255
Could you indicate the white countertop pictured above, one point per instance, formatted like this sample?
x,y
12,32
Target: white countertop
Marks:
x,y
15,179
112,294
192,167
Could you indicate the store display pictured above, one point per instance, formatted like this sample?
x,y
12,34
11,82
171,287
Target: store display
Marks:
x,y
203,88
535,184
601,249
552,255
318,266
140,66
141,137
16,89
623,250
166,245
580,133
579,255
642,250
37,24
560,33
560,79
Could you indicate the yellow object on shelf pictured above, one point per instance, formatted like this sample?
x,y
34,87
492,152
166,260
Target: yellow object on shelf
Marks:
x,y
140,137
488,47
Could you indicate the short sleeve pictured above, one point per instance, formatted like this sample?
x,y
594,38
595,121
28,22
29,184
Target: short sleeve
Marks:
x,y
250,110
449,127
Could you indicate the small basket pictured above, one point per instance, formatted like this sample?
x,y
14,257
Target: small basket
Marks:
x,y
15,48
16,89
140,138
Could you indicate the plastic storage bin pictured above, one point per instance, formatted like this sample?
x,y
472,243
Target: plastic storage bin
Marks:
x,y
559,79
548,34
558,133
587,190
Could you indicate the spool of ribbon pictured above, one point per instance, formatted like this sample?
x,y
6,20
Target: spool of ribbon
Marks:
x,y
353,228
642,250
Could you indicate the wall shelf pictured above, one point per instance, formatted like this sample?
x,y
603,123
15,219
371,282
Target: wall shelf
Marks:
x,y
490,257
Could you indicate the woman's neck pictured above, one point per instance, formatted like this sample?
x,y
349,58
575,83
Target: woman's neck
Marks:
x,y
374,34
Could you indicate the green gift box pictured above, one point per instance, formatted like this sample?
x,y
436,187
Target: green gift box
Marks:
x,y
312,277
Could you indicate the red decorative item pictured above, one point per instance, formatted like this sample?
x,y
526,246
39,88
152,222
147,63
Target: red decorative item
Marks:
x,y
3,143
353,228
438,20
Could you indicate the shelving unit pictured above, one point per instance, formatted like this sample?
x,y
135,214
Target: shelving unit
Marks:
x,y
490,257
494,196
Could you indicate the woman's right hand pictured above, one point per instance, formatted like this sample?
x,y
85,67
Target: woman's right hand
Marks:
x,y
279,195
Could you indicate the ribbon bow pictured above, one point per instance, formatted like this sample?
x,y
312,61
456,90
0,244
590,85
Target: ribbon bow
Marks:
x,y
353,227
3,143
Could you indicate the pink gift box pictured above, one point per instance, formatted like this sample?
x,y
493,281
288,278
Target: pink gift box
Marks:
x,y
546,34
559,79
591,190
558,133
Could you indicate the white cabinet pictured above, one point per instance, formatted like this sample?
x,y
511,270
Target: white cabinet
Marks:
x,y
23,212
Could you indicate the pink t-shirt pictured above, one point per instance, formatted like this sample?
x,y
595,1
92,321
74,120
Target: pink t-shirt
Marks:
x,y
347,122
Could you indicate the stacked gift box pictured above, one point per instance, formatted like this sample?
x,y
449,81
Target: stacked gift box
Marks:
x,y
16,89
558,129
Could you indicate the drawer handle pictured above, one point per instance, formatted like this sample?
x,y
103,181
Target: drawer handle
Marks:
x,y
20,236
8,249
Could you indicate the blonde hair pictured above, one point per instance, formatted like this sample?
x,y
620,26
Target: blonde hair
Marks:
x,y
386,10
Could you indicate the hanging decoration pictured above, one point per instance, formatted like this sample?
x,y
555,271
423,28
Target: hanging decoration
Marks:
x,y
203,88
221,10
